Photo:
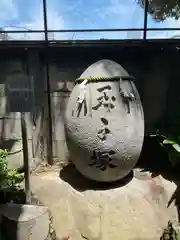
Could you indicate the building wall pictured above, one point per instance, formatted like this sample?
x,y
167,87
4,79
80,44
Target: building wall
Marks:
x,y
15,69
157,78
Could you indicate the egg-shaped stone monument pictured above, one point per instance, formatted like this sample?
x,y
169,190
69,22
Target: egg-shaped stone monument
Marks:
x,y
104,122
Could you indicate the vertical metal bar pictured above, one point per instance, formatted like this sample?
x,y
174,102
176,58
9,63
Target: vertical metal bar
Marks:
x,y
45,20
50,135
145,19
26,158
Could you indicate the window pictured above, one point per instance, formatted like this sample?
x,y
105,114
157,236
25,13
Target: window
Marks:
x,y
101,14
20,15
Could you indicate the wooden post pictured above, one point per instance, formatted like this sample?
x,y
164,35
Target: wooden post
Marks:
x,y
26,158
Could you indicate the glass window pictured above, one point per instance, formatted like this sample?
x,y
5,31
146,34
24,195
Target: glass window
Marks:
x,y
113,35
163,34
26,36
20,15
95,14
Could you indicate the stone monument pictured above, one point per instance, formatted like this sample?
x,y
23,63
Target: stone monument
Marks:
x,y
104,122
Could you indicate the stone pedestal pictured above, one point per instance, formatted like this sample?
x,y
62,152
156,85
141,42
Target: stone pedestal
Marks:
x,y
133,209
25,222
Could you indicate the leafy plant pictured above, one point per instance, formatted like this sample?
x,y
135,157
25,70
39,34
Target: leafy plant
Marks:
x,y
8,178
172,231
163,9
171,145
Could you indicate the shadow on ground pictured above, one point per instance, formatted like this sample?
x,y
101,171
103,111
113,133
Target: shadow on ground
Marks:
x,y
153,159
72,176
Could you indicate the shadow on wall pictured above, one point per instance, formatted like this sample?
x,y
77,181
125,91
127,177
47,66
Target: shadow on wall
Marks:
x,y
19,91
25,75
8,144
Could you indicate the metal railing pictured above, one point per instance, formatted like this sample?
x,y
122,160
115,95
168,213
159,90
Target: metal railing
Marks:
x,y
4,33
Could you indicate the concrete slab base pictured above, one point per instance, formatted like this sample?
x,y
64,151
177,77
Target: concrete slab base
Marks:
x,y
135,209
24,222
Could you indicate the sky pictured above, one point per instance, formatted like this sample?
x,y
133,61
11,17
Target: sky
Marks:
x,y
79,14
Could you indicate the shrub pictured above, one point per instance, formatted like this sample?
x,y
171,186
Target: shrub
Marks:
x,y
171,145
8,178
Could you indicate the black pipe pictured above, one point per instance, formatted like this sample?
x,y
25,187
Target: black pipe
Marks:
x,y
50,137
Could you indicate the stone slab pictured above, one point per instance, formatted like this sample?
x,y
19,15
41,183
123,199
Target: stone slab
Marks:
x,y
135,209
25,222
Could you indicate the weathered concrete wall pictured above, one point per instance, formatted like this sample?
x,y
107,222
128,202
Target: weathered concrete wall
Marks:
x,y
157,79
14,71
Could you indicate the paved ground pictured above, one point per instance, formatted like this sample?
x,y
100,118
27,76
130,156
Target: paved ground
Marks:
x,y
135,209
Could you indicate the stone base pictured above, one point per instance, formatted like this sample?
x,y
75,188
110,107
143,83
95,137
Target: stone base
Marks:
x,y
135,209
24,222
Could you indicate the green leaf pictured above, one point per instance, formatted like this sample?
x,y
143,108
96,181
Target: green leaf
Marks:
x,y
8,177
167,141
177,147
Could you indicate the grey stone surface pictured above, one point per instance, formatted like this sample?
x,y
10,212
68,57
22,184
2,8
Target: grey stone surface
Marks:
x,y
117,132
15,158
83,210
25,222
